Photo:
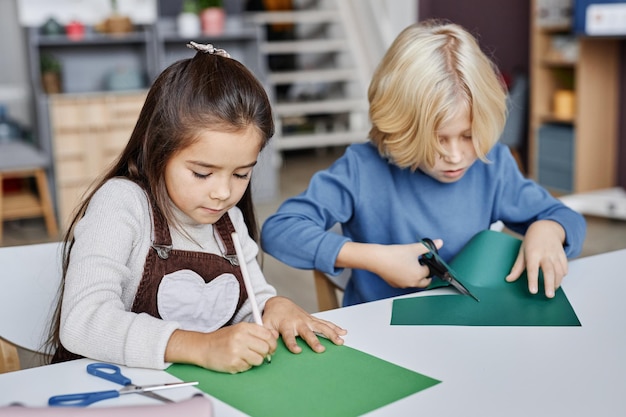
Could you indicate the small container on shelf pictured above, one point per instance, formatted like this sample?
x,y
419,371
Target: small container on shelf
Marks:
x,y
75,30
188,21
212,17
564,104
563,49
554,14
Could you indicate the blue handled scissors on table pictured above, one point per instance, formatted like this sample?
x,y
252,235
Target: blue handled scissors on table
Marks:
x,y
440,269
112,373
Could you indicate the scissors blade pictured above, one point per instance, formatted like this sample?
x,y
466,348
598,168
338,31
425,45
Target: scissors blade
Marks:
x,y
441,269
460,287
169,385
156,396
148,389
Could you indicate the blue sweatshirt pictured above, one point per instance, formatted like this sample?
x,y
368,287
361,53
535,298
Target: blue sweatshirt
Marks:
x,y
378,202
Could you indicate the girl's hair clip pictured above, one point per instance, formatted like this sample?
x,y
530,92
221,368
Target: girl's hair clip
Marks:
x,y
208,49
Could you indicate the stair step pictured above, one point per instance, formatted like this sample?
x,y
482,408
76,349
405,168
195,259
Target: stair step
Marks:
x,y
316,140
308,46
330,116
321,75
320,107
297,16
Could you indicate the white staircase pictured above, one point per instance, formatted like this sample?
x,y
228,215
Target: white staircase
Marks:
x,y
322,100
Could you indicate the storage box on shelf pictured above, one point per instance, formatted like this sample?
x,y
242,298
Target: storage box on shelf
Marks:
x,y
89,131
556,156
573,119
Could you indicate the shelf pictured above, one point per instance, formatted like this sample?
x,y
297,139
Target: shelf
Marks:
x,y
549,118
90,39
313,140
298,16
592,132
239,39
236,30
555,30
558,63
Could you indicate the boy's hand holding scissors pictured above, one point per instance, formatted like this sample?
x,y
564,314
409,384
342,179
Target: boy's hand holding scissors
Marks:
x,y
396,264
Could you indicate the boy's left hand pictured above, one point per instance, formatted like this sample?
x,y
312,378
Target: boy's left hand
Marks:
x,y
542,248
284,316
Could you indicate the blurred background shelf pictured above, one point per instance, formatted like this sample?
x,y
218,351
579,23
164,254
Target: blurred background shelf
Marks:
x,y
574,103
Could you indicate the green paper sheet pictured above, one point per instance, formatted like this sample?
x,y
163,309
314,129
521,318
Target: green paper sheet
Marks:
x,y
340,382
482,266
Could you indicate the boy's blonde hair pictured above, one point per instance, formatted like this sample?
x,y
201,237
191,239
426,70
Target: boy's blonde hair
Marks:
x,y
429,73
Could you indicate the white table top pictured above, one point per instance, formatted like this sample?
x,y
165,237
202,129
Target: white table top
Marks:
x,y
486,371
512,371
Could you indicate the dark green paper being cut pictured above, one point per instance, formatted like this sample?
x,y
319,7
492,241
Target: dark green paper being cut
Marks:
x,y
482,266
340,382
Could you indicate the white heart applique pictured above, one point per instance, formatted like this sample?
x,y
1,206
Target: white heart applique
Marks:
x,y
184,297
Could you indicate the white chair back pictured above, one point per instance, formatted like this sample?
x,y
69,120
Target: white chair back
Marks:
x,y
30,277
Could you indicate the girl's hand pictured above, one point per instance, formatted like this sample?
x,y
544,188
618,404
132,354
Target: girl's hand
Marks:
x,y
542,248
396,264
231,349
285,317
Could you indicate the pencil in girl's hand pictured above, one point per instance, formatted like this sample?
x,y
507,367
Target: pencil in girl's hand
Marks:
x,y
248,284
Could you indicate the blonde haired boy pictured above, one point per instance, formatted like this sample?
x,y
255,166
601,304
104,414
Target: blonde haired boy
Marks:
x,y
433,168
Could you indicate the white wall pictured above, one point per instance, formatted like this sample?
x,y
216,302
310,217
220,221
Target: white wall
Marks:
x,y
90,12
402,13
14,80
379,24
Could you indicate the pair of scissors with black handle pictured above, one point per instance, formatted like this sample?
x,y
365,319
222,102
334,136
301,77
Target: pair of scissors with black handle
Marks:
x,y
438,268
112,373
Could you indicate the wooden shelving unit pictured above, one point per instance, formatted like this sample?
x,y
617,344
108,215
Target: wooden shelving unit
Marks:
x,y
577,154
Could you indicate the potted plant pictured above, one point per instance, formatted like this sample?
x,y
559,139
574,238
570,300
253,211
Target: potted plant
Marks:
x,y
212,16
50,74
188,20
117,23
